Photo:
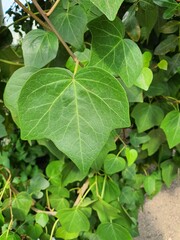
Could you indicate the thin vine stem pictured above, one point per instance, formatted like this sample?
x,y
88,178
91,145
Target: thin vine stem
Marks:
x,y
32,15
43,14
53,229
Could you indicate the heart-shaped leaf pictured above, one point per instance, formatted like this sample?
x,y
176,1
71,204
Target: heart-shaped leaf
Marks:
x,y
171,127
113,231
69,217
71,24
39,48
13,89
76,112
131,155
146,116
105,7
113,164
111,52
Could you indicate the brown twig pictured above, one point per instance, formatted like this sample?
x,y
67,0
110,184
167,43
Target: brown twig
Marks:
x,y
81,192
52,8
50,213
29,12
56,32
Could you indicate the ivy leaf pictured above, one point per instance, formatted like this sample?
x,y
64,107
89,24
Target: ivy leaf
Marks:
x,y
73,220
170,27
13,89
131,155
63,234
145,79
167,45
150,184
147,116
163,64
113,164
105,6
157,137
169,172
105,211
42,219
76,112
21,205
71,24
106,231
39,48
113,53
171,127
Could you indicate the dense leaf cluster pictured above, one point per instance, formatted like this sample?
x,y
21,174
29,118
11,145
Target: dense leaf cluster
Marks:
x,y
95,92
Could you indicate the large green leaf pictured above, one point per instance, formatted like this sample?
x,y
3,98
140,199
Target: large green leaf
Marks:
x,y
171,127
13,89
71,24
76,112
39,48
113,53
106,7
73,220
146,116
113,231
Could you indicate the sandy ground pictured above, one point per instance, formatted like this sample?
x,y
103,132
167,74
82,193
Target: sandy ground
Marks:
x,y
160,217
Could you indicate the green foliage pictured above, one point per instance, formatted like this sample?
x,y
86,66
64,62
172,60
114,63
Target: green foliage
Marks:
x,y
102,125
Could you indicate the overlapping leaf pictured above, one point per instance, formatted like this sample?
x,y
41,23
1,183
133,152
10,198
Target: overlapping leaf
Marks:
x,y
39,48
111,52
105,6
13,89
71,24
76,112
113,231
171,127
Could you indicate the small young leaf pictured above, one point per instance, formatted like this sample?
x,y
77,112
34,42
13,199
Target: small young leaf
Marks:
x,y
169,172
149,184
145,78
63,234
163,64
107,231
42,219
147,116
105,7
171,127
113,164
39,48
73,220
131,155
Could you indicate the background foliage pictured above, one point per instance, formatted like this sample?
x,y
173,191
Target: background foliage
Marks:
x,y
89,116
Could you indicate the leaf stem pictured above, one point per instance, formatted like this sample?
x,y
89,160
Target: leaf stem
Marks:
x,y
81,192
104,186
32,15
56,32
53,8
53,229
11,63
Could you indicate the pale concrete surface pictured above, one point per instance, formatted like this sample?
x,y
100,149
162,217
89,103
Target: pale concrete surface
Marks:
x,y
160,217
